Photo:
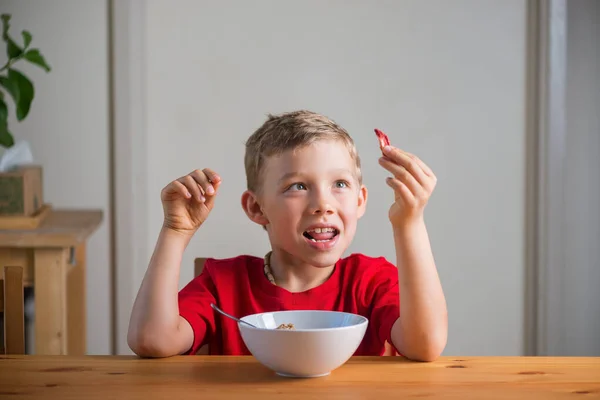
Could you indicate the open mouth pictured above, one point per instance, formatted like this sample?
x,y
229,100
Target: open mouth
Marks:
x,y
321,235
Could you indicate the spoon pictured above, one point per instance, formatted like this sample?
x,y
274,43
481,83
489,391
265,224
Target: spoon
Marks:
x,y
231,316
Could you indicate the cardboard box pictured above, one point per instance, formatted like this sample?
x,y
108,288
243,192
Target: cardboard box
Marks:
x,y
21,192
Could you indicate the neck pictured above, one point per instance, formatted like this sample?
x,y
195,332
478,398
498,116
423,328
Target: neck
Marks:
x,y
295,275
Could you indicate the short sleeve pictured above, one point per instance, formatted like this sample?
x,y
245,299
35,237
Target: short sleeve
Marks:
x,y
385,301
194,305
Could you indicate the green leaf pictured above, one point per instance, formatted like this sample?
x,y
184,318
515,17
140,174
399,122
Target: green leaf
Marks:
x,y
26,93
5,25
6,138
26,38
35,57
3,112
12,49
21,90
11,87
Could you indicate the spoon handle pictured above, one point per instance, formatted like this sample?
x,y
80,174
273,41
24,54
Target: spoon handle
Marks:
x,y
230,316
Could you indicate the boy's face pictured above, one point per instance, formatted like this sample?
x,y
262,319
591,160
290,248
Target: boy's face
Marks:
x,y
311,201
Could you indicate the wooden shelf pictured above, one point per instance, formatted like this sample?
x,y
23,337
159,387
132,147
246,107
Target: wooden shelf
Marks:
x,y
20,222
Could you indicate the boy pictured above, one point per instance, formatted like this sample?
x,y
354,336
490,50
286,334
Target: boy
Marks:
x,y
304,186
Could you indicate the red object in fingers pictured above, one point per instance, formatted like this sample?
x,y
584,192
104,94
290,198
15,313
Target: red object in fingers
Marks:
x,y
383,139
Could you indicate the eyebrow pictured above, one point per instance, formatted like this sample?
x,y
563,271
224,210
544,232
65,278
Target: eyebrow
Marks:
x,y
290,175
287,176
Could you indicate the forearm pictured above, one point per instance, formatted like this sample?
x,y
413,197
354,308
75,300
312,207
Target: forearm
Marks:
x,y
421,331
155,313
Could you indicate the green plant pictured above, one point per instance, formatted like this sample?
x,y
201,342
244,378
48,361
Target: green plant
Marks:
x,y
15,82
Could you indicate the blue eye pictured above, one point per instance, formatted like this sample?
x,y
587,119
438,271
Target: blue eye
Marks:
x,y
297,186
341,184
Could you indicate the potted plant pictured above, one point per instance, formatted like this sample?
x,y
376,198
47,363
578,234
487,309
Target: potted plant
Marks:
x,y
20,189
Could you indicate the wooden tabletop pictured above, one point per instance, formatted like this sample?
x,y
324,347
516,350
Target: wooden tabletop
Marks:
x,y
212,377
61,228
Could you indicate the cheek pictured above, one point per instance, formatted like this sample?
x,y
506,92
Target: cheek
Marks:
x,y
348,202
349,210
286,209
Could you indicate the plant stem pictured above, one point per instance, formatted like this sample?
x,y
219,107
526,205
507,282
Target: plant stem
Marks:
x,y
10,62
5,67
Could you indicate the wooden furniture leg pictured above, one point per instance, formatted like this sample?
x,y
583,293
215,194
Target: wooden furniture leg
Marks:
x,y
14,314
50,277
76,304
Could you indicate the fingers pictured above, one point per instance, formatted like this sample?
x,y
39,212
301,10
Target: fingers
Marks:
x,y
213,178
422,164
396,161
395,158
199,184
401,190
406,157
403,175
180,188
203,182
192,186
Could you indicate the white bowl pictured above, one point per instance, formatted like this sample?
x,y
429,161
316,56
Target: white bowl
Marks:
x,y
321,342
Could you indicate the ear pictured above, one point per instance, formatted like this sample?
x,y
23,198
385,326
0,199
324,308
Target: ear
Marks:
x,y
252,208
362,200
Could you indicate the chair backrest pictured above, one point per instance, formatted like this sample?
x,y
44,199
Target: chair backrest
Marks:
x,y
199,267
12,303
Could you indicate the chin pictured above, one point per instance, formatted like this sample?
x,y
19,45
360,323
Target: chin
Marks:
x,y
324,259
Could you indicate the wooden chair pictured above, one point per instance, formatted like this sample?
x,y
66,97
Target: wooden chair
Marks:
x,y
12,303
199,267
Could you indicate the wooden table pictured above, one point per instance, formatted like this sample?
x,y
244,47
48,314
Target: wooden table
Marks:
x,y
53,259
213,377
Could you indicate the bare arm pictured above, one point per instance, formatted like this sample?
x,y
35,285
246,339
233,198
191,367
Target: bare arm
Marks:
x,y
156,329
421,331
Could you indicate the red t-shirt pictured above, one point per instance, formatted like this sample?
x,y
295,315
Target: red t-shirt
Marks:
x,y
359,284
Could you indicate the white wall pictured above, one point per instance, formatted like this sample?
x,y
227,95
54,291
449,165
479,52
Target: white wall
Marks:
x,y
68,126
445,79
581,335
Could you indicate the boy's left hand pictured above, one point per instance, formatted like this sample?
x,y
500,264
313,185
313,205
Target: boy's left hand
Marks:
x,y
413,183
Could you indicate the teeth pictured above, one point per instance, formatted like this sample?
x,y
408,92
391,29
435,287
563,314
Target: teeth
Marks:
x,y
322,230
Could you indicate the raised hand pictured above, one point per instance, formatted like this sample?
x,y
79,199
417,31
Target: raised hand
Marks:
x,y
413,183
187,201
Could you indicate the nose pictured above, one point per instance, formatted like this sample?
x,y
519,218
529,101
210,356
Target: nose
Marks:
x,y
321,203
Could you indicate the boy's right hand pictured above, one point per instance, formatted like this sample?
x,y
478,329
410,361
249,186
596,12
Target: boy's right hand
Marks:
x,y
187,201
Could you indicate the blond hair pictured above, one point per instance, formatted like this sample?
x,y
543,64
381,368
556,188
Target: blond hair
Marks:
x,y
289,131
